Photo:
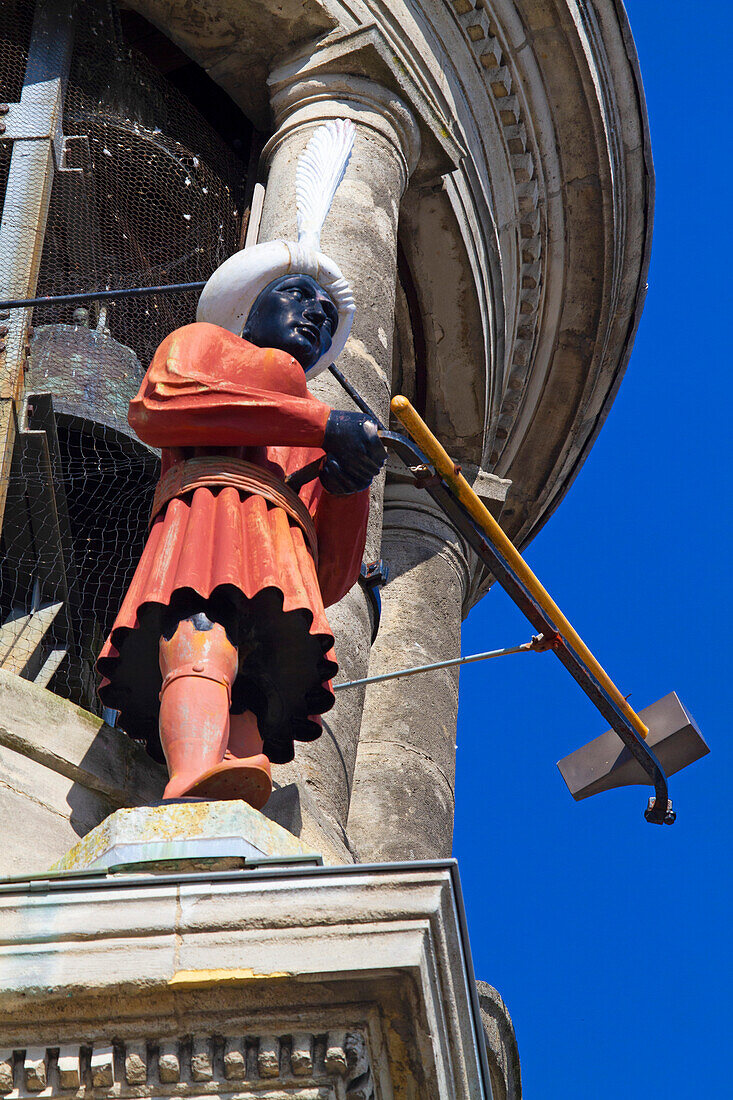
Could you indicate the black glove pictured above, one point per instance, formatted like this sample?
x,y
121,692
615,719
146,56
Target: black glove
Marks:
x,y
354,453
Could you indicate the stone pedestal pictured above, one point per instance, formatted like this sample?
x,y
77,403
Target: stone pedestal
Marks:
x,y
191,836
63,771
316,984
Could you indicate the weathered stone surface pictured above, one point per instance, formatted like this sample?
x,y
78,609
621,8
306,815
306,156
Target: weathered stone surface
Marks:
x,y
204,835
360,234
337,979
336,1061
292,1065
501,1044
235,1059
35,1069
102,1066
6,1070
69,1067
403,800
301,1054
63,771
237,43
201,1064
169,1065
136,1063
268,1056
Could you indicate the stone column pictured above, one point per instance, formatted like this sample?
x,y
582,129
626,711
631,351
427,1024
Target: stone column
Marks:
x,y
360,234
403,798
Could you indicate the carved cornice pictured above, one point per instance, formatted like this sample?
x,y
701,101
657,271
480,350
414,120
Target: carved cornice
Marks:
x,y
353,59
222,964
301,1066
484,35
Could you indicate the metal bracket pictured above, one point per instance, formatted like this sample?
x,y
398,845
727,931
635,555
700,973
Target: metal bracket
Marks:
x,y
659,815
66,144
659,810
33,122
31,119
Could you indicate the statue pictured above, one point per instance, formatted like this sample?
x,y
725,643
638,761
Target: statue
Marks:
x,y
221,655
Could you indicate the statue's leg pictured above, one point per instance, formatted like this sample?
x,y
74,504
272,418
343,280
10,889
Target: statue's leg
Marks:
x,y
244,736
198,663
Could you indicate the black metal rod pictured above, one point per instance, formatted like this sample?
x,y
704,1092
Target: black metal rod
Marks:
x,y
356,397
99,295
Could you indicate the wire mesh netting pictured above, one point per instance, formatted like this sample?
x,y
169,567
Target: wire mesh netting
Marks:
x,y
160,200
148,194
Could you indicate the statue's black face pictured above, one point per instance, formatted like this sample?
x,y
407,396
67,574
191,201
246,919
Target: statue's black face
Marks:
x,y
296,315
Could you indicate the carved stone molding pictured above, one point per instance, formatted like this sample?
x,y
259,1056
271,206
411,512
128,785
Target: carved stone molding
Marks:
x,y
336,95
484,34
304,1065
355,59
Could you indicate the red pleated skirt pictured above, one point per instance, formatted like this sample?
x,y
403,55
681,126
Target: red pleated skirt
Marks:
x,y
249,557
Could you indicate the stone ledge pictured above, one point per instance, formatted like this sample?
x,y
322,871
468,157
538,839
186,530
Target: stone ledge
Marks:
x,y
63,772
165,967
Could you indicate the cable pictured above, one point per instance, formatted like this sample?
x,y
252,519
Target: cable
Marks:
x,y
98,295
526,647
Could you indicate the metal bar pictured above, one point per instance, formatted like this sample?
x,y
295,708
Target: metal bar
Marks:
x,y
356,396
54,881
478,511
100,295
22,228
445,497
526,647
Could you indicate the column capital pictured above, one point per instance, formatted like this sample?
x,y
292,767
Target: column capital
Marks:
x,y
300,101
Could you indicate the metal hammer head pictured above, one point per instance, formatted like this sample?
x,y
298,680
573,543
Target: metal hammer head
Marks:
x,y
606,763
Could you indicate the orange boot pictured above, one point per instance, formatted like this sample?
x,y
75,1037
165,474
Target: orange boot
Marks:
x,y
198,667
245,745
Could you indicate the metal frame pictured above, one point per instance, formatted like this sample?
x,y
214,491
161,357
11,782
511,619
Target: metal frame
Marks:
x,y
34,125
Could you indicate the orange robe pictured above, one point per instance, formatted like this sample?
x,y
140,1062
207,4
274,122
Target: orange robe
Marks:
x,y
209,393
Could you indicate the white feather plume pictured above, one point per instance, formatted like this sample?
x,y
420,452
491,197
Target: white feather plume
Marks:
x,y
321,167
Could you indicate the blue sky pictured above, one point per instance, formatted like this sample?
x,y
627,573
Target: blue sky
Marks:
x,y
609,938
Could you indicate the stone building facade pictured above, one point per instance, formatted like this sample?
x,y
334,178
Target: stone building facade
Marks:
x,y
495,226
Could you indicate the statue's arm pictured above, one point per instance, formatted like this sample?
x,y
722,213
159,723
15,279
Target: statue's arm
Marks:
x,y
194,394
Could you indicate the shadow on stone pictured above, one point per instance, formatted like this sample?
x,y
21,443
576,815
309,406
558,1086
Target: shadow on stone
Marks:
x,y
283,807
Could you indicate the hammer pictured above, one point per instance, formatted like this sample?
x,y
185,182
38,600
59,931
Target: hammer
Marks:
x,y
639,748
